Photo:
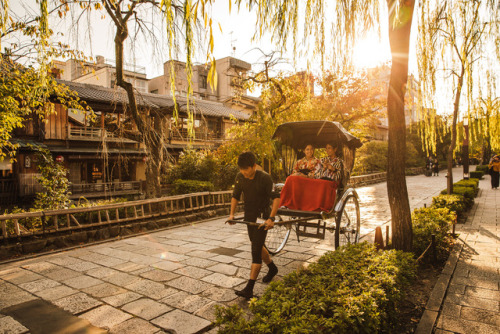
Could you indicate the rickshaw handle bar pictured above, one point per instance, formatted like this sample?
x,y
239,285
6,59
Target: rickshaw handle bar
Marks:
x,y
291,221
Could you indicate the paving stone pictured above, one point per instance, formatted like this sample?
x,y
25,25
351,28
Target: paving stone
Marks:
x,y
12,295
77,303
197,262
223,268
41,267
121,279
181,322
188,284
129,266
101,272
459,325
482,293
19,276
108,261
223,280
134,326
82,282
186,301
39,285
63,260
146,308
170,256
167,265
219,294
193,272
55,293
223,258
103,290
208,311
198,254
105,316
482,316
82,266
62,274
148,288
158,275
451,310
122,298
10,326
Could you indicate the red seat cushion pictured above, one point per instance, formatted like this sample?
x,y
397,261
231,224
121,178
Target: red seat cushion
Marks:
x,y
302,193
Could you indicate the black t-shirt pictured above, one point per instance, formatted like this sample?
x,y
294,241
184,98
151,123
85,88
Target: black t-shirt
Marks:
x,y
257,192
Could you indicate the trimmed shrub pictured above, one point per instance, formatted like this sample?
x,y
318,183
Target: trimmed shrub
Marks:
x,y
353,290
429,221
466,192
471,183
482,168
190,186
477,175
454,203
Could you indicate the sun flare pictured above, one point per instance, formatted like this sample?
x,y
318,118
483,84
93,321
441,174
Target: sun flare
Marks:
x,y
370,52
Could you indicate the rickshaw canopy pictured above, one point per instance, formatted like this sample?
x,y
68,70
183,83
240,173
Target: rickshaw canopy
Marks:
x,y
318,133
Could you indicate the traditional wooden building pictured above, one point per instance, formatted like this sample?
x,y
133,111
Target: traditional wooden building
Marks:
x,y
103,152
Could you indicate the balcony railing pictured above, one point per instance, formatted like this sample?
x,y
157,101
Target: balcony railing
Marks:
x,y
200,135
93,134
105,189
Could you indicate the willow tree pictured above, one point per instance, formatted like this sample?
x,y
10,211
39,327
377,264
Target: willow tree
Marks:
x,y
29,92
181,20
485,121
341,23
453,36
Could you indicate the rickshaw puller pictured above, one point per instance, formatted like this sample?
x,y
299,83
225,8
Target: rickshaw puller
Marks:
x,y
257,187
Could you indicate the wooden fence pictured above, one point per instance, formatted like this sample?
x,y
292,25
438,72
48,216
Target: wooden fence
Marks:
x,y
42,222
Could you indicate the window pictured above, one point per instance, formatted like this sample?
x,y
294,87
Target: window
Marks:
x,y
203,81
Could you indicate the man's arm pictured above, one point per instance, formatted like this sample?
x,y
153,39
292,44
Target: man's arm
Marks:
x,y
269,223
234,204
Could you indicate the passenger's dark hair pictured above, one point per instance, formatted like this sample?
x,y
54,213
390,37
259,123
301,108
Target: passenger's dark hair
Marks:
x,y
246,159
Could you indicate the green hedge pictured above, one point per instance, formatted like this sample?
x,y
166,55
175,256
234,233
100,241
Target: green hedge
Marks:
x,y
472,183
453,202
482,168
190,186
353,290
429,221
466,192
477,175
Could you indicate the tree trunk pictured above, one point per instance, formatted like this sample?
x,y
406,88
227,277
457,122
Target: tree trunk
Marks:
x,y
453,143
151,138
399,38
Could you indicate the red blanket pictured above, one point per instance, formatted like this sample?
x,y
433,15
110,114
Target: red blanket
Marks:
x,y
302,193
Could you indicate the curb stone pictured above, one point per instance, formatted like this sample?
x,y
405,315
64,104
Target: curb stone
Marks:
x,y
430,315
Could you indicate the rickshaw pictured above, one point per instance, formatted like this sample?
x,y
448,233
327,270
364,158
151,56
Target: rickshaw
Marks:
x,y
342,218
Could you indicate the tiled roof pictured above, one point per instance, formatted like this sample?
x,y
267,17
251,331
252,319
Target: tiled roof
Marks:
x,y
88,92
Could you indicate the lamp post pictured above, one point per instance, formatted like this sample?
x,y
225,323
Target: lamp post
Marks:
x,y
465,149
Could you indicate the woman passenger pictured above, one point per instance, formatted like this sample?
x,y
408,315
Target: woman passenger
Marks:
x,y
307,165
330,167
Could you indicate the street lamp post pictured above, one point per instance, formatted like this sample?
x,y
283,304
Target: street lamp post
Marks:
x,y
465,149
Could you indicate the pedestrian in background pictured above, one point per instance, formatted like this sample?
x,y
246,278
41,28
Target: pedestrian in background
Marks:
x,y
494,168
435,167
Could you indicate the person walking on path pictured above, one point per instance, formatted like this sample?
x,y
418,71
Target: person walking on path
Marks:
x,y
494,167
435,167
257,188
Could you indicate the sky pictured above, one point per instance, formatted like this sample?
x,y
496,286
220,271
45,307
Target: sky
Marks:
x,y
235,40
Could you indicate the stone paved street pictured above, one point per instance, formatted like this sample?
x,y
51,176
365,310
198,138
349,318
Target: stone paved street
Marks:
x,y
172,279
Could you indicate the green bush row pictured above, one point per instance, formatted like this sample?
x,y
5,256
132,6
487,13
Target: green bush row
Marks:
x,y
353,290
455,203
472,183
477,175
432,221
482,168
190,186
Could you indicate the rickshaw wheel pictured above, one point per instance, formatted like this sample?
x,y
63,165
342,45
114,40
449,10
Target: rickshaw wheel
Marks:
x,y
277,237
348,223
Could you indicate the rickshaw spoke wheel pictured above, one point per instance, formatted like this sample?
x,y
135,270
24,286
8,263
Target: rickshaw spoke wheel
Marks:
x,y
277,237
348,223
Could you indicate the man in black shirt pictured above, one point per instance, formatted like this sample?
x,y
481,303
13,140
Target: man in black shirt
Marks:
x,y
257,187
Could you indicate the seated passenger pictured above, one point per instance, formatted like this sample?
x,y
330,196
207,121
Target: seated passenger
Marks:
x,y
307,165
330,167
